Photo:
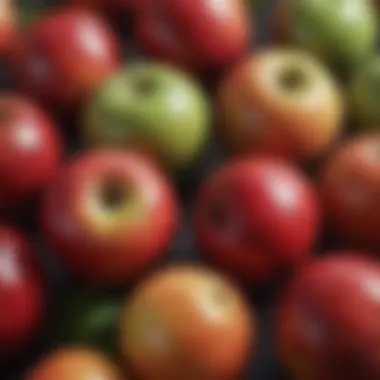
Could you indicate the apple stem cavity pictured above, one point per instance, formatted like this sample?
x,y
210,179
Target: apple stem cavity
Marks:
x,y
292,79
144,86
113,194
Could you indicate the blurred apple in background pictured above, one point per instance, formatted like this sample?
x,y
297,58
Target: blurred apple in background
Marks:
x,y
64,56
257,218
364,95
281,102
74,363
350,188
187,323
152,107
31,150
22,292
196,34
8,25
327,324
342,33
109,216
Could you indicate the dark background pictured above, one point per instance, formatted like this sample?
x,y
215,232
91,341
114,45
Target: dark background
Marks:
x,y
263,364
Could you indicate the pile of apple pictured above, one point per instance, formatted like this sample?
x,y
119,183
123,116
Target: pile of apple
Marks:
x,y
300,123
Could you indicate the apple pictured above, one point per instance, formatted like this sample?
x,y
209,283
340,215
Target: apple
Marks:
x,y
327,322
8,24
86,317
349,187
74,363
200,35
104,6
364,90
342,33
64,56
280,101
257,218
109,215
187,322
152,107
22,292
30,151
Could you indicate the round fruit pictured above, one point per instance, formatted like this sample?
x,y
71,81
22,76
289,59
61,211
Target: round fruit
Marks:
x,y
256,218
109,216
327,325
281,102
350,186
87,318
74,364
153,107
187,323
7,25
22,292
64,56
30,151
342,33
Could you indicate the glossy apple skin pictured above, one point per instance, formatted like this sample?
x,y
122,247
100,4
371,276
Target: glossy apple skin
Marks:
x,y
8,23
258,115
327,321
30,151
101,243
341,33
74,364
194,34
22,292
212,342
349,186
152,107
364,89
63,58
256,218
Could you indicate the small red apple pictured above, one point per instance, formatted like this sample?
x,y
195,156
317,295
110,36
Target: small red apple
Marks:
x,y
63,58
8,21
109,216
22,292
350,189
281,102
327,324
197,34
30,151
257,217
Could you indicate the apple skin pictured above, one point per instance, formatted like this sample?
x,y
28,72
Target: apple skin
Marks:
x,y
75,363
63,57
212,342
349,187
341,33
256,218
31,150
364,90
194,34
8,23
22,292
152,107
109,216
259,113
327,324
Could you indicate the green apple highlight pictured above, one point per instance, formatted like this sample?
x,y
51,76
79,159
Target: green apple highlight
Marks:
x,y
154,108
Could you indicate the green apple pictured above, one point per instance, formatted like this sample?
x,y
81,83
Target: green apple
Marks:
x,y
152,107
340,32
364,95
86,318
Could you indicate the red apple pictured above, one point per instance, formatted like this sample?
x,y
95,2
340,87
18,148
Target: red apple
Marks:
x,y
327,324
257,217
282,102
22,292
63,58
30,151
197,34
8,21
350,188
109,216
